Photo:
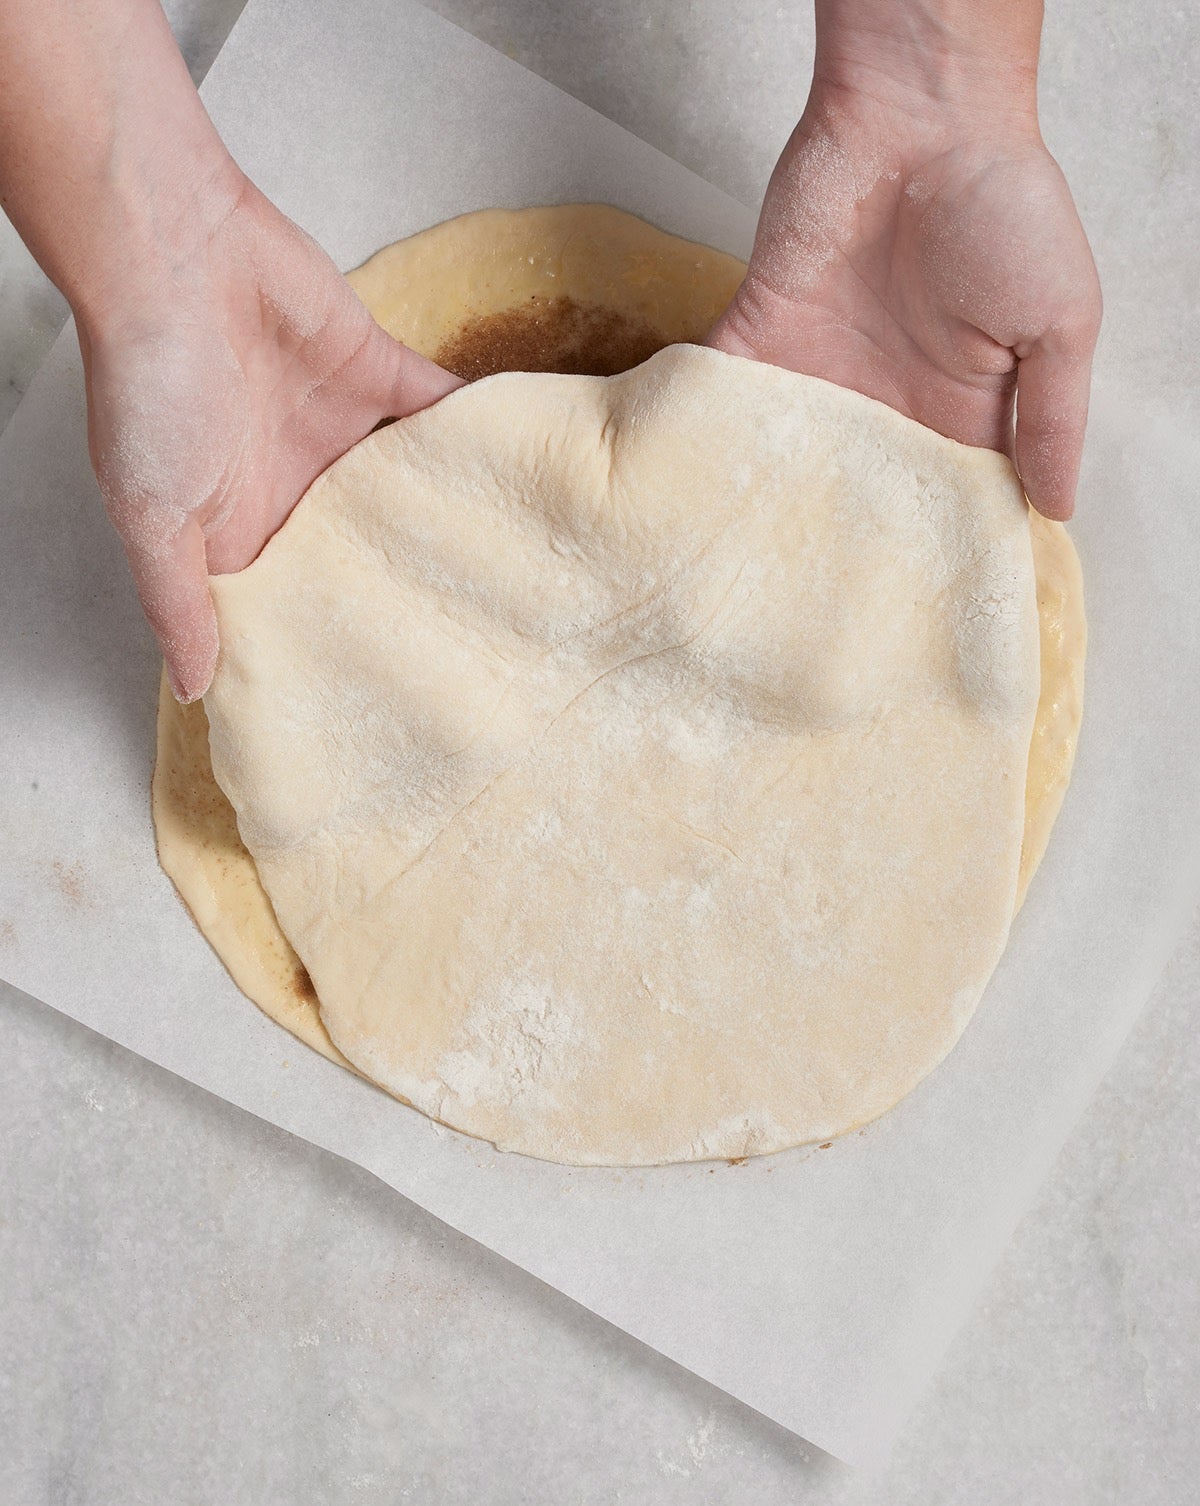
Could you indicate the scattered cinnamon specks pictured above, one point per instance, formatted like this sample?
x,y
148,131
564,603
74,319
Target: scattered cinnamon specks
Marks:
x,y
73,884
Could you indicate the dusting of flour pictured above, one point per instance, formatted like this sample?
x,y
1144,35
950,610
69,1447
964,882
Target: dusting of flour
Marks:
x,y
520,1035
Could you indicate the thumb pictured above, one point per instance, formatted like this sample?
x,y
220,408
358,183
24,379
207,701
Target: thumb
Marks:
x,y
172,583
416,382
1053,386
762,326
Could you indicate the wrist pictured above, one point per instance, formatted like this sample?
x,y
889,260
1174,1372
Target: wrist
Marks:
x,y
110,168
953,65
135,177
146,258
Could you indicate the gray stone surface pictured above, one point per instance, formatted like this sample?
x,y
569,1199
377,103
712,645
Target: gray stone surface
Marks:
x,y
197,1307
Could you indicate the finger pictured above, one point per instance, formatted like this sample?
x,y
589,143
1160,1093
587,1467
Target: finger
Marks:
x,y
735,331
383,381
763,325
412,382
172,584
1053,387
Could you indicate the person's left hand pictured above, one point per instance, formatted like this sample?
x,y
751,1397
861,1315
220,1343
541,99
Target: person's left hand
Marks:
x,y
935,262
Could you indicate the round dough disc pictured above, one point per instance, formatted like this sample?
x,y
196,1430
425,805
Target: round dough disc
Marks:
x,y
581,288
640,772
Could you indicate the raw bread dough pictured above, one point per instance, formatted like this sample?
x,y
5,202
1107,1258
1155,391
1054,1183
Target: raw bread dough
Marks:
x,y
1063,635
641,773
201,850
481,293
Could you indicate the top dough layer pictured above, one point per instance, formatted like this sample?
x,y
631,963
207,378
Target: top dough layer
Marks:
x,y
640,773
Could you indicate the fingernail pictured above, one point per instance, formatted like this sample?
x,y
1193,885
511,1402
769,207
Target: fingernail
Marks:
x,y
177,690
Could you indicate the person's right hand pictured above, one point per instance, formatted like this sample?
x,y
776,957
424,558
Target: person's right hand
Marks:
x,y
214,402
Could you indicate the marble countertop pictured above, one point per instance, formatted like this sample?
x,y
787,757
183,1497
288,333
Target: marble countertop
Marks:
x,y
152,1235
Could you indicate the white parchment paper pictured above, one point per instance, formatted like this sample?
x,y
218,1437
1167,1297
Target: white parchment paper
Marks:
x,y
820,1287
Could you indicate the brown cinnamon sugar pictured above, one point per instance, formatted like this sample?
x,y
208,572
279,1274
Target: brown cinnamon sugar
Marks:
x,y
549,334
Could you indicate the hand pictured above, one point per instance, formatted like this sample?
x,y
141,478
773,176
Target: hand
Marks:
x,y
931,257
227,362
211,410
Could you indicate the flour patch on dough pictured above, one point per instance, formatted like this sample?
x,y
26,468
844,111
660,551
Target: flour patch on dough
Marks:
x,y
520,1035
990,665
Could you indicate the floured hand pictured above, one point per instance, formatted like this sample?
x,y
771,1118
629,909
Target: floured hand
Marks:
x,y
212,407
927,252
